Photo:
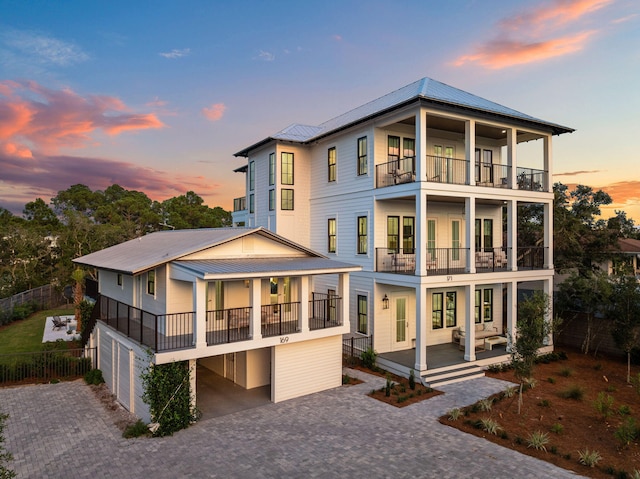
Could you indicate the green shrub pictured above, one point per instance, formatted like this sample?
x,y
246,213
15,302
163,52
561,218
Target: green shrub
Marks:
x,y
624,410
455,414
603,405
94,376
510,392
368,358
566,372
574,392
538,440
388,386
5,456
589,458
485,404
136,429
544,403
412,380
490,426
627,432
551,380
557,428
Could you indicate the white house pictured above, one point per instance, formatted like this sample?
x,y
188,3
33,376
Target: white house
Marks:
x,y
421,188
247,304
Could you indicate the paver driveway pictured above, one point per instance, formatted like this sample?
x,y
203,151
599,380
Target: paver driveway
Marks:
x,y
62,431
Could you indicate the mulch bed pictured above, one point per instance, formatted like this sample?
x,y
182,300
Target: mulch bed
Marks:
x,y
572,425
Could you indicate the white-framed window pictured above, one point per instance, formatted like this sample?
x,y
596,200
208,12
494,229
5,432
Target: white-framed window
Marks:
x,y
363,313
331,164
331,235
272,200
151,282
362,235
252,175
444,310
119,279
272,169
362,156
252,203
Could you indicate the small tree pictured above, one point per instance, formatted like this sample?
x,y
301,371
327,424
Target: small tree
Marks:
x,y
534,326
625,315
5,456
78,296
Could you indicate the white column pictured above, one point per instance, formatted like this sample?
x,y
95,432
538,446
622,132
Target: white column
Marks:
x,y
470,227
256,311
192,383
421,329
421,233
200,308
470,149
469,323
512,312
512,234
548,163
304,304
343,292
421,144
548,236
512,160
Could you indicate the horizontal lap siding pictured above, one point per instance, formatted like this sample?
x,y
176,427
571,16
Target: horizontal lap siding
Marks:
x,y
306,367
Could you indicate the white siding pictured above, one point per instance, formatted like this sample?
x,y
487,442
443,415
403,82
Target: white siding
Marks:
x,y
305,368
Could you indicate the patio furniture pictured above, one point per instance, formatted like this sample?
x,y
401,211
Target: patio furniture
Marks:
x,y
492,341
58,323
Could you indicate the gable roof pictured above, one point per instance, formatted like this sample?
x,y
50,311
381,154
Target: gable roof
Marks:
x,y
426,89
147,252
629,245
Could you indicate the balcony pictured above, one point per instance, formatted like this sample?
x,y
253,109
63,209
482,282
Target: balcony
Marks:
x,y
240,204
402,170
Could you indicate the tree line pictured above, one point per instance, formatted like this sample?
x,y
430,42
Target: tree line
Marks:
x,y
38,248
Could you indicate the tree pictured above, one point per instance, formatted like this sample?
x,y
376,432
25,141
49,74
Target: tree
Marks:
x,y
625,315
533,327
78,295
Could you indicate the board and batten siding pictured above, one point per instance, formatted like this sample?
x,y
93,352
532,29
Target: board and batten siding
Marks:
x,y
306,367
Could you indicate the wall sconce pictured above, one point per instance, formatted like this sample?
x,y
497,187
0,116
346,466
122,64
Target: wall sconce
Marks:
x,y
246,283
385,302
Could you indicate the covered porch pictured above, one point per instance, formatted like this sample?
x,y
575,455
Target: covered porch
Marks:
x,y
442,355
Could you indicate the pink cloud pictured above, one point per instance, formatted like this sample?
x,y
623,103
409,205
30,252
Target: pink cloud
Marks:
x,y
50,119
214,112
538,34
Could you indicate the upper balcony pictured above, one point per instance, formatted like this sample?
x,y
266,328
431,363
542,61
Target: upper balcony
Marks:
x,y
240,204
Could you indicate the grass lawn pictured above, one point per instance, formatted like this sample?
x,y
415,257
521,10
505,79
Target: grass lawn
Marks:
x,y
26,335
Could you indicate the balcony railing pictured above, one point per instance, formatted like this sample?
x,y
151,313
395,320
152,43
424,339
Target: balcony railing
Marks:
x,y
160,332
401,260
240,204
445,261
402,170
447,170
228,325
325,311
280,319
491,259
492,175
531,180
531,257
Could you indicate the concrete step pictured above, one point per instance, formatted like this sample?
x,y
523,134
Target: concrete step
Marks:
x,y
450,376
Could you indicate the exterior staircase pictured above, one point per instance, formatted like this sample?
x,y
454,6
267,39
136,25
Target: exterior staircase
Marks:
x,y
452,374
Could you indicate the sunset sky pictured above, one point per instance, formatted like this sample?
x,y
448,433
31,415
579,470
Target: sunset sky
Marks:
x,y
157,96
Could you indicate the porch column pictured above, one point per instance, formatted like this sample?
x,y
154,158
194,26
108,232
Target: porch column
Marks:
x,y
470,323
304,304
512,312
421,329
343,292
470,235
548,235
470,150
192,384
421,144
256,303
421,233
512,146
200,309
548,163
547,286
512,234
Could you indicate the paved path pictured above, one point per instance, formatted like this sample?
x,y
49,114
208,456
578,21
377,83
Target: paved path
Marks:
x,y
62,431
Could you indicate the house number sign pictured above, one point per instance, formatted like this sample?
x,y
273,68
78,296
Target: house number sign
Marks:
x,y
284,339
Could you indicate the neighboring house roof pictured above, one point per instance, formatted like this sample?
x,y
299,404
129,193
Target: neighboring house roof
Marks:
x,y
426,89
628,245
147,252
257,267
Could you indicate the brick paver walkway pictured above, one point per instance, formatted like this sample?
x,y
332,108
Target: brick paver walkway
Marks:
x,y
62,431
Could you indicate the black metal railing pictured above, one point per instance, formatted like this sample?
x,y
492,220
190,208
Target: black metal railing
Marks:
x,y
325,311
161,332
395,172
354,346
44,366
492,259
228,325
444,261
240,204
87,326
400,260
447,170
493,175
280,319
531,180
531,257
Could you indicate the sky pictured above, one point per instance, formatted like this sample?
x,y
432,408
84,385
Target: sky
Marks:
x,y
157,96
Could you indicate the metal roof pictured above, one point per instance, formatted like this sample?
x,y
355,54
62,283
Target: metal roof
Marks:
x,y
425,89
154,249
257,267
629,245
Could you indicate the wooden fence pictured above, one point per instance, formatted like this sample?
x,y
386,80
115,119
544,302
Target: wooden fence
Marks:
x,y
46,297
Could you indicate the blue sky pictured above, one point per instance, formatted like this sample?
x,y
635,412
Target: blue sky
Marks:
x,y
157,96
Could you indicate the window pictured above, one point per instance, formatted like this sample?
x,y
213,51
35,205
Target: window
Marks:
x,y
272,169
478,234
392,232
408,234
252,175
477,306
362,235
119,279
251,203
151,282
362,314
286,166
272,200
362,155
219,305
487,166
331,235
408,148
488,234
451,319
436,315
487,305
331,163
393,148
455,240
431,238
286,199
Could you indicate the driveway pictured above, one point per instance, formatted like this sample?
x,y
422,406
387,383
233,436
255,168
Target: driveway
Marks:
x,y
62,431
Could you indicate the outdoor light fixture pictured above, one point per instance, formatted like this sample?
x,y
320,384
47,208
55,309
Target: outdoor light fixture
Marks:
x,y
246,283
385,302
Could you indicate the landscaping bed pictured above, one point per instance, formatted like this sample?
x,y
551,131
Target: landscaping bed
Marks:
x,y
577,405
